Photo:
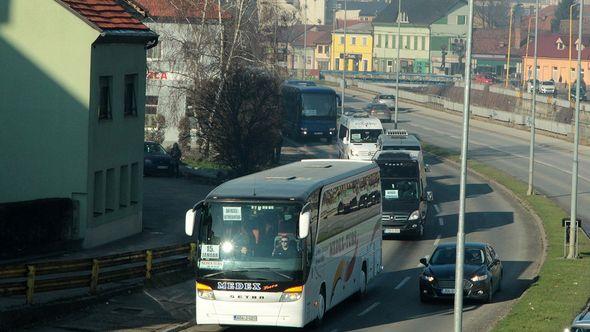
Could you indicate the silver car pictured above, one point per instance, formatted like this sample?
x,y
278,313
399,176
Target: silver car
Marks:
x,y
582,322
379,111
388,100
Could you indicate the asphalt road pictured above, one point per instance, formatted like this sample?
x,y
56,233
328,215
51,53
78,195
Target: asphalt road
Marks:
x,y
393,300
506,149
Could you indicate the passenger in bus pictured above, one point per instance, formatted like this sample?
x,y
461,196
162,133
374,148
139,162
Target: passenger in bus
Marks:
x,y
286,248
264,235
243,242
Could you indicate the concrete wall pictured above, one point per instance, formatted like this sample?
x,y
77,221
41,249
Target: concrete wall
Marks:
x,y
116,144
45,54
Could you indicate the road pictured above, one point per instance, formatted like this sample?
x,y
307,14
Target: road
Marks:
x,y
506,149
393,300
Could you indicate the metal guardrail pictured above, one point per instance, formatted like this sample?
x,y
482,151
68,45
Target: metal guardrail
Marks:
x,y
28,279
377,76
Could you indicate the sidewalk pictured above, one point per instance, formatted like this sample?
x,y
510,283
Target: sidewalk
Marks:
x,y
165,203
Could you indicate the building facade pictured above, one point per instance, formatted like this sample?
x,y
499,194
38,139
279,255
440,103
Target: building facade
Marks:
x,y
73,114
315,50
448,34
359,48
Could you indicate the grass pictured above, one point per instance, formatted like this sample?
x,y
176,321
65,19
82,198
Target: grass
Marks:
x,y
562,289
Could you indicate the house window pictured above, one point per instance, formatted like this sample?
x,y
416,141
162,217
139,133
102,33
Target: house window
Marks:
x,y
151,104
555,74
134,184
98,206
336,64
378,41
386,41
327,49
365,65
104,103
423,43
415,43
342,40
353,40
124,186
130,95
155,53
364,41
110,191
560,46
320,49
461,20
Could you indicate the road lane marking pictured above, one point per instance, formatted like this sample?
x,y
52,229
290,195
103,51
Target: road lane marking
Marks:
x,y
402,283
437,240
153,298
371,307
436,208
441,221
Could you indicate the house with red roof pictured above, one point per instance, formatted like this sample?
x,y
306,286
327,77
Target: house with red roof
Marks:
x,y
72,119
490,52
189,40
313,48
553,59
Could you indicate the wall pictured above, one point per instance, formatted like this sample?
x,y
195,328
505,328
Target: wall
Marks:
x,y
115,143
316,11
409,51
44,97
365,50
545,72
447,28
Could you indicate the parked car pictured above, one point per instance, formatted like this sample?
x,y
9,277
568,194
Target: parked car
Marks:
x,y
582,322
156,161
483,273
547,87
379,111
530,86
387,100
484,78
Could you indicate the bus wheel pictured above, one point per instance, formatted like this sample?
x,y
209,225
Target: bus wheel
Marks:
x,y
321,309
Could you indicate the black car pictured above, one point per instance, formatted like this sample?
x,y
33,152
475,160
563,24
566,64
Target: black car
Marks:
x,y
482,272
156,161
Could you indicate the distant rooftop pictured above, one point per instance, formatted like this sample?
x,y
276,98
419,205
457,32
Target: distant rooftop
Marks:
x,y
105,14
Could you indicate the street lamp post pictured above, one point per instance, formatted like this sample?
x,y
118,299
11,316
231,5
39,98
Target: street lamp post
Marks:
x,y
569,70
344,60
460,251
509,45
304,38
526,54
572,252
397,64
531,189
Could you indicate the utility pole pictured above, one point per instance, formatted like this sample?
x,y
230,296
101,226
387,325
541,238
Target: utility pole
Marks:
x,y
460,253
304,38
569,70
573,248
509,45
397,65
531,189
526,55
344,60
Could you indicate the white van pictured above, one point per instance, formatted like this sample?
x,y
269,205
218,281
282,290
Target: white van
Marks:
x,y
357,137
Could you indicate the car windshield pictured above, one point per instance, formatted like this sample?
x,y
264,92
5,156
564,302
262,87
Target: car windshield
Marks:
x,y
365,135
399,190
153,148
379,107
400,147
386,97
399,170
247,239
317,105
446,255
548,83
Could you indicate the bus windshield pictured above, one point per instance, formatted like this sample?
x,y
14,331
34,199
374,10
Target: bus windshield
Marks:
x,y
250,241
365,135
399,190
317,105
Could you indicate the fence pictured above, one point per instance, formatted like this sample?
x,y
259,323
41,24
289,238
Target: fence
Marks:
x,y
28,279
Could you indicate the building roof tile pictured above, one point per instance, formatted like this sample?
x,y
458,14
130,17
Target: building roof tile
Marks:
x,y
182,9
105,14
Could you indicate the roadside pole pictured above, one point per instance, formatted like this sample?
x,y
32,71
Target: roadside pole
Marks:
x,y
397,65
343,60
572,252
458,312
509,47
304,39
531,189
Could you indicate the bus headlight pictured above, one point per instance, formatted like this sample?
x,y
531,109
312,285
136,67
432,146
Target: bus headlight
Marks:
x,y
205,292
292,294
415,215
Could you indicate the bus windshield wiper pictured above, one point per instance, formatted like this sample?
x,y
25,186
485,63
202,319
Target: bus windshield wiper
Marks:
x,y
276,271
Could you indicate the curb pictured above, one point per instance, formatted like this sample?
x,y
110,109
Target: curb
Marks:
x,y
527,207
23,316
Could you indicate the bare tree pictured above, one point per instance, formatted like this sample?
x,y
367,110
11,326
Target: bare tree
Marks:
x,y
492,13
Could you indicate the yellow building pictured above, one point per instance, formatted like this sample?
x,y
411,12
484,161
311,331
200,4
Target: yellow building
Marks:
x,y
359,48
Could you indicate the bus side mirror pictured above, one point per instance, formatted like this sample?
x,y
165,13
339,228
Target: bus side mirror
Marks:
x,y
192,219
423,261
304,221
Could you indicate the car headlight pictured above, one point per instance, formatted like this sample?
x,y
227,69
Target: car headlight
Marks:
x,y
479,278
292,294
415,215
205,292
428,278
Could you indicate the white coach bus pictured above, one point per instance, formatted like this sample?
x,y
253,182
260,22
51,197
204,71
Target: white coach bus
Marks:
x,y
283,246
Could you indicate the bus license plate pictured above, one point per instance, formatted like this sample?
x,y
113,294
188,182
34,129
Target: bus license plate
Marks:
x,y
392,231
247,318
162,167
448,291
